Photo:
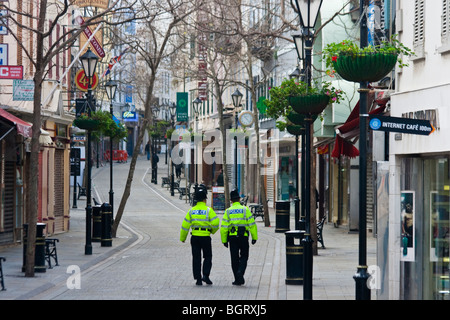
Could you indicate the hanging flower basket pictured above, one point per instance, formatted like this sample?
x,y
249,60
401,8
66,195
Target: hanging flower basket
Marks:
x,y
368,66
295,129
296,118
309,104
86,124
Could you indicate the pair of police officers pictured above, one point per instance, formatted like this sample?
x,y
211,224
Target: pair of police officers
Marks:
x,y
237,224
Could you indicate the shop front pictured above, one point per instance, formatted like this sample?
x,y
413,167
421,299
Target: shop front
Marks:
x,y
424,226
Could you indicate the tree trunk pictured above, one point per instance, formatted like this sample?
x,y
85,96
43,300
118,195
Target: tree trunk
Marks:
x,y
32,189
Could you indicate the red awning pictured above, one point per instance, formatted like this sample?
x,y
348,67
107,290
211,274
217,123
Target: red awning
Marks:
x,y
348,130
23,127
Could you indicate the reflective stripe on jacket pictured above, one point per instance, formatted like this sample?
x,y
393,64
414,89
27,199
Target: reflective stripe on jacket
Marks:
x,y
237,216
201,219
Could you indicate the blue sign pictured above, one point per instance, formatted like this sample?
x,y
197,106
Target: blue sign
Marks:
x,y
375,124
130,116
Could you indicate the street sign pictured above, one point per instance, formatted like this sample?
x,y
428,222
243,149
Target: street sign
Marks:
x,y
82,83
94,42
182,106
82,107
402,125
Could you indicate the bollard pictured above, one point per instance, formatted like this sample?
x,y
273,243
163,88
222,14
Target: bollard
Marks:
x,y
97,223
106,240
39,251
282,209
294,257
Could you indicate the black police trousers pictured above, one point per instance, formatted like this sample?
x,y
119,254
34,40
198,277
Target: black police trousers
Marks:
x,y
201,244
239,249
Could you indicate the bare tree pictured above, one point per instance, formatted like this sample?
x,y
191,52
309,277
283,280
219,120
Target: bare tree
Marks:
x,y
151,44
39,56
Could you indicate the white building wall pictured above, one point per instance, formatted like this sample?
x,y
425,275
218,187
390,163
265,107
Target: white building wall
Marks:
x,y
422,86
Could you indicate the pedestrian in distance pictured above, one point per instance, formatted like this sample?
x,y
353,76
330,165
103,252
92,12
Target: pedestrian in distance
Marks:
x,y
237,224
147,150
203,222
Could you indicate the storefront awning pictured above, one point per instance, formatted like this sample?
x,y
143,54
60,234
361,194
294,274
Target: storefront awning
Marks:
x,y
349,130
23,127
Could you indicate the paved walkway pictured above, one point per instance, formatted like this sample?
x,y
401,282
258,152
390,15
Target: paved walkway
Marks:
x,y
147,260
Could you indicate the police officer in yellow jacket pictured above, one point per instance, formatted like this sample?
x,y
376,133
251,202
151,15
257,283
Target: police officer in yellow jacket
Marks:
x,y
203,221
237,224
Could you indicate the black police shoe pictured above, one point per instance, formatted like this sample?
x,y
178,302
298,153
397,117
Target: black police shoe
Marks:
x,y
207,280
199,282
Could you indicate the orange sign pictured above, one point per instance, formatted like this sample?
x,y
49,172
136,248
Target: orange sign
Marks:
x,y
82,82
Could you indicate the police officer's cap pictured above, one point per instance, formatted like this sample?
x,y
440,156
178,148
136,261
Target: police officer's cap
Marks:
x,y
201,192
234,194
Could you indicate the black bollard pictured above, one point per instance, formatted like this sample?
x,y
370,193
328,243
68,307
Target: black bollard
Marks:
x,y
97,223
106,240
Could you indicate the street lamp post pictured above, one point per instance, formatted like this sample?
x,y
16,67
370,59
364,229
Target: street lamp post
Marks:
x,y
196,105
361,289
237,98
172,111
111,87
308,11
155,111
298,72
89,63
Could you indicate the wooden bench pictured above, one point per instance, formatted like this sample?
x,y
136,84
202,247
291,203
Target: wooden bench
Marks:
x,y
257,210
50,251
320,231
1,274
81,191
165,182
184,191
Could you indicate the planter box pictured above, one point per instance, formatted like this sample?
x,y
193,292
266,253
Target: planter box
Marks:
x,y
370,67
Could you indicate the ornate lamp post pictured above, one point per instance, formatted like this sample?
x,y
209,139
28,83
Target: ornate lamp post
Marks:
x,y
111,87
299,73
196,105
308,11
173,112
361,289
155,111
89,62
237,98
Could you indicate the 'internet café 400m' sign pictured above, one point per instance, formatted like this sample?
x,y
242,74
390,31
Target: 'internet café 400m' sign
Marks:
x,y
91,3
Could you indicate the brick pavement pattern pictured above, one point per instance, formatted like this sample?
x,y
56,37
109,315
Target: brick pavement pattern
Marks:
x,y
147,260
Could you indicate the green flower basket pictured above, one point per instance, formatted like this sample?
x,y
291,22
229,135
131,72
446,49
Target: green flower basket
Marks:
x,y
296,118
295,129
310,104
86,124
369,67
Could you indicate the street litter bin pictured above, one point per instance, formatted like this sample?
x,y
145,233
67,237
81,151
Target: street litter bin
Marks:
x,y
106,240
96,223
39,251
294,257
282,209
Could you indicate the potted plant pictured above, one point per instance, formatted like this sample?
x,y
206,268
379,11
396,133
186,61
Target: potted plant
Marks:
x,y
370,64
102,123
293,99
87,123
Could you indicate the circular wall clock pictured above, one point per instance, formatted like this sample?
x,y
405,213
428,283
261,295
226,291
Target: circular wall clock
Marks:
x,y
246,118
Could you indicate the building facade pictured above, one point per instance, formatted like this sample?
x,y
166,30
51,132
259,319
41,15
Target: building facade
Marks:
x,y
419,184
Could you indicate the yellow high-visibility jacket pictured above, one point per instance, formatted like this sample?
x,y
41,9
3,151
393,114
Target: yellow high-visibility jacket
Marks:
x,y
237,216
201,219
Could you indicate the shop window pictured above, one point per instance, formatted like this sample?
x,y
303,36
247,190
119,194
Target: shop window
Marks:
x,y
425,185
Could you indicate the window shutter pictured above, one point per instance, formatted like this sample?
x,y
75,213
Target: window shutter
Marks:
x,y
445,18
419,22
